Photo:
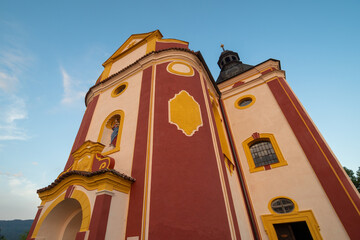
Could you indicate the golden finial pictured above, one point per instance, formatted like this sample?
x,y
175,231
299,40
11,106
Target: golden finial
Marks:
x,y
222,46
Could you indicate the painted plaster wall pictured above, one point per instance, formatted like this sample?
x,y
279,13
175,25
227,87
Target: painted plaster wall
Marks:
x,y
239,204
236,193
297,180
128,102
117,216
128,59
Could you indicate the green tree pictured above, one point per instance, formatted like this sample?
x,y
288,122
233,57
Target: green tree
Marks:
x,y
355,178
2,237
23,236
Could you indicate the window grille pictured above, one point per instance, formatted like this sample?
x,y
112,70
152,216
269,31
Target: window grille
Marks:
x,y
282,205
263,153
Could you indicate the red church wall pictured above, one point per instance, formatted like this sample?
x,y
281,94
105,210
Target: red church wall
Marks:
x,y
185,185
134,219
166,45
99,217
84,127
34,224
332,178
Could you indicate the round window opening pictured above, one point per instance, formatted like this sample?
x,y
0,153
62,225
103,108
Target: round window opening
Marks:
x,y
119,90
282,205
244,102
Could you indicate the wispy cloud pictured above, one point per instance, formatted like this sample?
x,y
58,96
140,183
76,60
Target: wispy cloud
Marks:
x,y
18,196
14,62
12,109
72,93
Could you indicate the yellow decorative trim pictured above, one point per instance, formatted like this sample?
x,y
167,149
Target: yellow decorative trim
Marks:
x,y
125,49
48,210
229,162
114,94
85,207
170,69
151,45
83,156
106,71
296,207
295,216
171,40
253,99
263,136
184,113
106,181
117,147
148,155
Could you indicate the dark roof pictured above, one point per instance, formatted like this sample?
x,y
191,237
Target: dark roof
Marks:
x,y
230,65
85,174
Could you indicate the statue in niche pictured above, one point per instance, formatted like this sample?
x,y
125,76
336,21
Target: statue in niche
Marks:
x,y
114,134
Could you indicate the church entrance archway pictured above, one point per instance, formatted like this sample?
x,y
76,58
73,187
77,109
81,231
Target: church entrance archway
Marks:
x,y
63,222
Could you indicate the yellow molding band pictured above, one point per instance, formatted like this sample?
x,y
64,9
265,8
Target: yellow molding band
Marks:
x,y
229,162
243,91
106,181
148,150
151,45
171,40
106,71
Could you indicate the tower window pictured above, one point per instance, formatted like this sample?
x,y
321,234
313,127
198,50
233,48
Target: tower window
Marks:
x,y
244,102
227,59
263,153
282,205
119,89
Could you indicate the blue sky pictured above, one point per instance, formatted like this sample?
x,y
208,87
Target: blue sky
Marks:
x,y
51,53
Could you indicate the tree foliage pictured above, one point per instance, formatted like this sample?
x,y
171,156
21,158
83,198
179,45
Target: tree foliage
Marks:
x,y
355,178
2,237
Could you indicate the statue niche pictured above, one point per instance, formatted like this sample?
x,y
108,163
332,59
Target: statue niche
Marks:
x,y
110,134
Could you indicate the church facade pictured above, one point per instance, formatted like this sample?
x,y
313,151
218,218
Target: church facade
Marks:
x,y
165,151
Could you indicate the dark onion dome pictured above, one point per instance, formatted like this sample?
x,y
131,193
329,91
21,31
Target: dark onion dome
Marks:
x,y
230,65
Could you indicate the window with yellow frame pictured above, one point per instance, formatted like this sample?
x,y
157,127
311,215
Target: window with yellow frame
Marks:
x,y
262,152
110,132
119,89
289,223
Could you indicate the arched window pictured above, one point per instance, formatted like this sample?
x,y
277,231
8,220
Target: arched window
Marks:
x,y
110,133
262,152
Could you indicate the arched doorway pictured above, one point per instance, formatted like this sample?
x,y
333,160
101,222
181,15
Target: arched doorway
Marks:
x,y
63,222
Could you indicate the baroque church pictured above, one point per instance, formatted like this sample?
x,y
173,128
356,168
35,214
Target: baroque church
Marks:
x,y
166,151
